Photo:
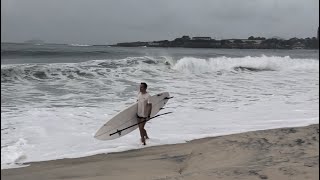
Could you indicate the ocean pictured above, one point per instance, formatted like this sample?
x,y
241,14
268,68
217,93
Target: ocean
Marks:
x,y
55,97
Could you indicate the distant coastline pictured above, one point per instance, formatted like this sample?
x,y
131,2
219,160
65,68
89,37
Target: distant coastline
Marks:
x,y
208,42
249,43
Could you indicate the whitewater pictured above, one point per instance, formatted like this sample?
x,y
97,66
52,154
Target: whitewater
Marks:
x,y
53,103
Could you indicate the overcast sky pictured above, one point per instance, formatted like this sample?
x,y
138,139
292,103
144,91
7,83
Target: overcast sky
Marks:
x,y
112,21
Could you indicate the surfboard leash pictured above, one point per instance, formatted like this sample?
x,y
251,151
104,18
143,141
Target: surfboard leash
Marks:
x,y
119,131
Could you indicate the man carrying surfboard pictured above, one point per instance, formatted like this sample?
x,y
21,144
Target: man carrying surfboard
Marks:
x,y
144,111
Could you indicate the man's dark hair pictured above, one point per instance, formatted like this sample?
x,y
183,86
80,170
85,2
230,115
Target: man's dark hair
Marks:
x,y
145,85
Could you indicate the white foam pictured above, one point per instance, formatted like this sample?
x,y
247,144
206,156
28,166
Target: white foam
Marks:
x,y
80,45
12,155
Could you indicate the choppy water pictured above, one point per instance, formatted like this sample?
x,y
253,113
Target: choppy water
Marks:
x,y
55,97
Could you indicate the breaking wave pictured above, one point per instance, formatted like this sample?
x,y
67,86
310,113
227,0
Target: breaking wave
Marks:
x,y
254,64
104,68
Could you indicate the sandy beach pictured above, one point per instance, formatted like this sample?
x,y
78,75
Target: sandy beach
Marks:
x,y
277,154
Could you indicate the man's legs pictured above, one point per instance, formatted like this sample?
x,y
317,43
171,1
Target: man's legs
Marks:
x,y
142,130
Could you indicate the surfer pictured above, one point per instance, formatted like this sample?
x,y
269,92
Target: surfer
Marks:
x,y
144,111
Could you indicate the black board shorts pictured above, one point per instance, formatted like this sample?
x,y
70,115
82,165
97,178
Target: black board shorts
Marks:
x,y
139,117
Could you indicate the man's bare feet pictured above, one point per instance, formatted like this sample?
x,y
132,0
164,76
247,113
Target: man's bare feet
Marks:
x,y
143,141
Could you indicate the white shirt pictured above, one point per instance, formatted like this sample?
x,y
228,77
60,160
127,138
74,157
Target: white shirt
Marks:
x,y
143,100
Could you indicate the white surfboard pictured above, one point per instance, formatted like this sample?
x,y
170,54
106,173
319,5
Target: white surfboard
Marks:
x,y
126,121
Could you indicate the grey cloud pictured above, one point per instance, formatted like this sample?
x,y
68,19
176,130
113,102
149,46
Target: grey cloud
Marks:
x,y
100,21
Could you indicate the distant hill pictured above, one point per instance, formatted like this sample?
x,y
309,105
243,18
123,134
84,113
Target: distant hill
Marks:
x,y
34,41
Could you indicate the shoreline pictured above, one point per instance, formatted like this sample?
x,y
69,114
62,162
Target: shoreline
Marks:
x,y
282,153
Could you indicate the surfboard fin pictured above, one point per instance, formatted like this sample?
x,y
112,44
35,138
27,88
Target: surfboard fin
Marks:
x,y
119,132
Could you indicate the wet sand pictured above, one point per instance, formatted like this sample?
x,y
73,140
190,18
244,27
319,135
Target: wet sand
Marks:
x,y
277,154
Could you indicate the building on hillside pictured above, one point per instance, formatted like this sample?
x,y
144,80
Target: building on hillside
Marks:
x,y
298,45
201,38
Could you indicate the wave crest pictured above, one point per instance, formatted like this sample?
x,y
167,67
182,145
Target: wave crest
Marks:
x,y
248,63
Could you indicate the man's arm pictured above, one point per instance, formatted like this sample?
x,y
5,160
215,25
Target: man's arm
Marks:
x,y
149,107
